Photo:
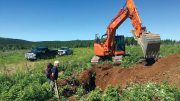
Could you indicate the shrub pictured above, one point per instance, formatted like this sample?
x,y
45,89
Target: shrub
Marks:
x,y
111,94
149,92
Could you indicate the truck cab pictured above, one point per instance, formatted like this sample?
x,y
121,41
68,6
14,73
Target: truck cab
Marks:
x,y
40,53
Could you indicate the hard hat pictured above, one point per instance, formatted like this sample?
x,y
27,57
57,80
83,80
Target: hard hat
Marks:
x,y
56,62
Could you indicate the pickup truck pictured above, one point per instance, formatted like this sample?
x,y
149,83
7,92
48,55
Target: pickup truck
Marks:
x,y
40,53
65,51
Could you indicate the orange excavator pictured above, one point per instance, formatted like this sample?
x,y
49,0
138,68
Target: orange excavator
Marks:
x,y
112,46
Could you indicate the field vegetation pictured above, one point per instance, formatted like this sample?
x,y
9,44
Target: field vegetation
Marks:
x,y
22,80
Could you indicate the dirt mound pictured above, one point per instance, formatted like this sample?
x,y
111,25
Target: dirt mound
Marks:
x,y
164,70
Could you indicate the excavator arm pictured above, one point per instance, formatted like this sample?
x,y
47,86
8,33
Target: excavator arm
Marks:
x,y
135,19
115,23
149,42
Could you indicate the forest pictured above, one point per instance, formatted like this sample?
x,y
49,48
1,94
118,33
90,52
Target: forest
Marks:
x,y
16,44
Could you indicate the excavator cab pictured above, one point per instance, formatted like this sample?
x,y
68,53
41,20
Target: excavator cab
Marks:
x,y
119,43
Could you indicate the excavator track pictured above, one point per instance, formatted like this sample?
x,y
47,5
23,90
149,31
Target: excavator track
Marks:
x,y
115,59
150,44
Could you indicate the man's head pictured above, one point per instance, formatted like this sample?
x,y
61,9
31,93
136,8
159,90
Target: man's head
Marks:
x,y
56,63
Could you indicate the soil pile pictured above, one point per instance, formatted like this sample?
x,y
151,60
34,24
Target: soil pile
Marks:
x,y
164,70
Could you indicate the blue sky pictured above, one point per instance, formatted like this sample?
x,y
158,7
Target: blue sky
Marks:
x,y
40,20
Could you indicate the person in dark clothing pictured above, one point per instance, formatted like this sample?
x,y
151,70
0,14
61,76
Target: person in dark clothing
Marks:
x,y
54,71
54,75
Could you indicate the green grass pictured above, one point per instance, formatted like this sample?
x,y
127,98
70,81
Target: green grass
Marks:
x,y
135,53
135,92
29,82
82,54
26,80
15,60
169,49
11,57
150,92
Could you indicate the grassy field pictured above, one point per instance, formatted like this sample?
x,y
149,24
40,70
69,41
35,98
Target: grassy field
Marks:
x,y
11,57
14,60
24,80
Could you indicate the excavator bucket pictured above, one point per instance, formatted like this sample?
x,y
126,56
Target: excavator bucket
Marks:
x,y
150,44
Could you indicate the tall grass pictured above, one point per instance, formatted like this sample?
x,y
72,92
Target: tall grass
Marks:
x,y
25,80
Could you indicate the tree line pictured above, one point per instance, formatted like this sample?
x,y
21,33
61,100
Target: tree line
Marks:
x,y
15,44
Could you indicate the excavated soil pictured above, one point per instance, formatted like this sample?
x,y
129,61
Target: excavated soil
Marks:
x,y
164,70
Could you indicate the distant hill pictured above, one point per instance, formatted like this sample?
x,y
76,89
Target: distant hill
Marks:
x,y
12,41
13,44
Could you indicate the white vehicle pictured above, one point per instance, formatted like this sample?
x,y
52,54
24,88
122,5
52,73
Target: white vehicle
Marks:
x,y
65,51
